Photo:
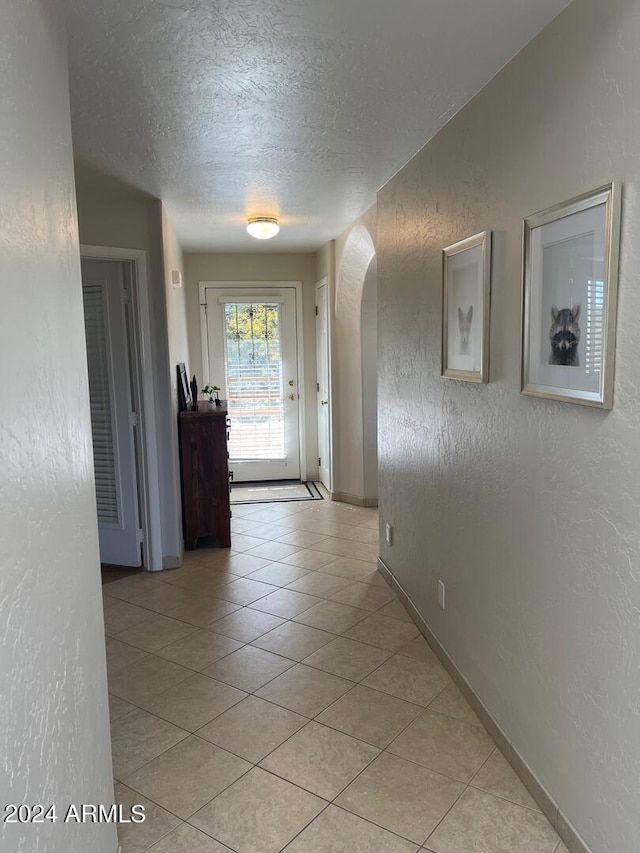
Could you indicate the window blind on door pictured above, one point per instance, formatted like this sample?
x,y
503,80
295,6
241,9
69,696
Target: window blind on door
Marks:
x,y
254,380
98,356
594,330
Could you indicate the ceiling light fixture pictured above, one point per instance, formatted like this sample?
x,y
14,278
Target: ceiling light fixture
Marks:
x,y
263,227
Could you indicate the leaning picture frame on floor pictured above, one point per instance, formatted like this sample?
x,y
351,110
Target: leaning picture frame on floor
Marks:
x,y
466,297
569,298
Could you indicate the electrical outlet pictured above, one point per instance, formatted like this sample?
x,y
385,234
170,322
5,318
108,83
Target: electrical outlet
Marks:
x,y
389,534
441,594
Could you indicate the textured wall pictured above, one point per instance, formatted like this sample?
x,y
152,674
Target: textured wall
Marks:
x,y
261,266
354,462
114,214
54,729
369,336
178,340
527,509
324,261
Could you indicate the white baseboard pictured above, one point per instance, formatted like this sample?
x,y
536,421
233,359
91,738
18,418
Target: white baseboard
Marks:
x,y
356,500
548,806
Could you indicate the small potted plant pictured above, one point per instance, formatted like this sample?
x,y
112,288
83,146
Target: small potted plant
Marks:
x,y
211,393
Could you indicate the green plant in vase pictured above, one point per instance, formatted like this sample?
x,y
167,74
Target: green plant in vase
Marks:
x,y
211,393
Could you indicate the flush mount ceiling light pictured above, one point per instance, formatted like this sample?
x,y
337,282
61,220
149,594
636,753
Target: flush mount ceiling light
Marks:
x,y
263,227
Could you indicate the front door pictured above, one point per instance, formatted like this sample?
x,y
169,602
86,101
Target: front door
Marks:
x,y
253,356
106,296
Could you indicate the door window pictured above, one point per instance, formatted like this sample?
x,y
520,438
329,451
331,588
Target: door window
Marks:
x,y
255,387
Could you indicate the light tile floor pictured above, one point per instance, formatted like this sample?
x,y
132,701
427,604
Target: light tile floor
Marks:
x,y
277,696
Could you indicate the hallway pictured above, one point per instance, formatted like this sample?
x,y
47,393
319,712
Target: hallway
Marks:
x,y
277,696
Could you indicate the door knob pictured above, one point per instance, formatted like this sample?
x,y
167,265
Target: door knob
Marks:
x,y
291,383
292,396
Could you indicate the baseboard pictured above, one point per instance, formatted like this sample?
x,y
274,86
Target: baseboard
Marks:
x,y
345,497
171,562
548,806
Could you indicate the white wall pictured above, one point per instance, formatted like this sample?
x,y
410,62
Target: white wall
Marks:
x,y
114,214
54,734
178,339
176,299
325,262
527,509
261,266
369,337
353,452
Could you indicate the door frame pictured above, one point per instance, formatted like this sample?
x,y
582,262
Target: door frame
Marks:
x,y
142,369
324,282
268,286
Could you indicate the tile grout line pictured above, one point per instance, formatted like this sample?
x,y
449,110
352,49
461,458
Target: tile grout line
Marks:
x,y
292,621
201,672
208,628
325,725
168,810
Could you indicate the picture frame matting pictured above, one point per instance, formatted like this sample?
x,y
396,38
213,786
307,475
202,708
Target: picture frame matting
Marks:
x,y
466,308
569,299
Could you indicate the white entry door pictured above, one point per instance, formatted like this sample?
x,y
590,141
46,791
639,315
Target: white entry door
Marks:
x,y
253,356
322,360
106,295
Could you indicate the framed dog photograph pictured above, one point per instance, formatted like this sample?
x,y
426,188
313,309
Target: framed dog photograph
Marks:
x,y
570,281
466,283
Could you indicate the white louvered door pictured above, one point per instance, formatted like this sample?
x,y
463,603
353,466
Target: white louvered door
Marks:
x,y
104,289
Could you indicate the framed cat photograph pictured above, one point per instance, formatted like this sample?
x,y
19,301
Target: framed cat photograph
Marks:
x,y
570,282
466,287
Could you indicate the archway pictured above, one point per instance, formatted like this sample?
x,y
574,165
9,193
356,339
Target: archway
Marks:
x,y
369,339
355,371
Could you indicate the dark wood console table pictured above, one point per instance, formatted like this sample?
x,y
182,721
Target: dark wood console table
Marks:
x,y
205,476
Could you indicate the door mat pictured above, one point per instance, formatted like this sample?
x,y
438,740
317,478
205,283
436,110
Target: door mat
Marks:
x,y
274,491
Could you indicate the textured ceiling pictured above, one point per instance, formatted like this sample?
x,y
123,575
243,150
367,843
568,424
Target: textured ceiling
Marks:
x,y
296,108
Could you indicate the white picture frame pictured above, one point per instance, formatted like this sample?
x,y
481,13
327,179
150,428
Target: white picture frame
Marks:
x,y
466,291
569,298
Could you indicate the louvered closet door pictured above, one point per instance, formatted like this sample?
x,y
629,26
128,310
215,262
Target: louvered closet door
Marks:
x,y
104,293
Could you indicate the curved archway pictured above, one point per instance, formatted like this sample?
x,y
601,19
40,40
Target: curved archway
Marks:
x,y
369,341
355,370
